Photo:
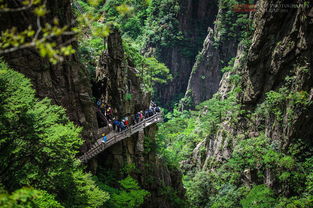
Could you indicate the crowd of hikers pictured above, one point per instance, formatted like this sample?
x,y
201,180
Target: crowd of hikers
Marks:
x,y
105,109
106,113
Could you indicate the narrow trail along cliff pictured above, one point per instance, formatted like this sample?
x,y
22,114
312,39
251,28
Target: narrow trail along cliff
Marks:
x,y
114,137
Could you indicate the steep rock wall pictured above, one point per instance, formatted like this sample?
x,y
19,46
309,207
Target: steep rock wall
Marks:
x,y
65,83
205,76
117,77
280,57
219,47
194,18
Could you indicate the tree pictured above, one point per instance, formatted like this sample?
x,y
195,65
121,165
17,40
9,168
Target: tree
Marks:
x,y
259,197
28,198
150,70
39,34
38,146
51,35
130,195
125,193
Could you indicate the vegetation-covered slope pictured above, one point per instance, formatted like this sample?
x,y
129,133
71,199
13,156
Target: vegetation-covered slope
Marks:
x,y
250,146
38,148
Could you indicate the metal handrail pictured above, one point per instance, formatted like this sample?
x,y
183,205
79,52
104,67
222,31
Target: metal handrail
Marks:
x,y
99,147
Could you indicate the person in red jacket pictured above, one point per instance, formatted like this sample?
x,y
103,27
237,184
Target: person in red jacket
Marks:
x,y
126,122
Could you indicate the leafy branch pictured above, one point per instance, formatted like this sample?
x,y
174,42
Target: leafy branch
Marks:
x,y
27,5
43,38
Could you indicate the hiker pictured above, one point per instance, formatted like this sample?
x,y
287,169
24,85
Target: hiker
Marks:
x,y
109,112
137,117
102,108
146,113
122,126
115,124
104,139
133,119
118,126
126,122
153,110
141,115
150,111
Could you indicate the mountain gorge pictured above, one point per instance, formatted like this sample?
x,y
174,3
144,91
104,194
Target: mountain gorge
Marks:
x,y
233,79
181,38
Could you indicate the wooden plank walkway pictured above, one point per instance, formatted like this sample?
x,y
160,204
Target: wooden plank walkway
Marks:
x,y
114,137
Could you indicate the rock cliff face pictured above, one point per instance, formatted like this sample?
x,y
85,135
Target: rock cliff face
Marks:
x,y
279,60
206,75
194,18
281,57
66,83
218,49
116,78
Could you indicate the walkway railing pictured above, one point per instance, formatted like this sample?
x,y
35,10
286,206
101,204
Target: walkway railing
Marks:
x,y
112,139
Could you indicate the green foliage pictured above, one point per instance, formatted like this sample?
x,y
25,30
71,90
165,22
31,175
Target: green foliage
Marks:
x,y
283,103
39,145
199,189
230,66
255,157
259,197
128,96
171,195
91,42
90,49
130,14
128,194
162,23
28,198
228,196
175,138
42,38
295,202
149,69
233,25
184,130
149,145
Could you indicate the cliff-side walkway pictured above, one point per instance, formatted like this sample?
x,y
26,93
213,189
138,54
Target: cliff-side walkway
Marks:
x,y
114,137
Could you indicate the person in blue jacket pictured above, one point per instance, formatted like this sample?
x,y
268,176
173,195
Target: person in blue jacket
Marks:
x,y
122,126
104,139
115,125
137,117
146,113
